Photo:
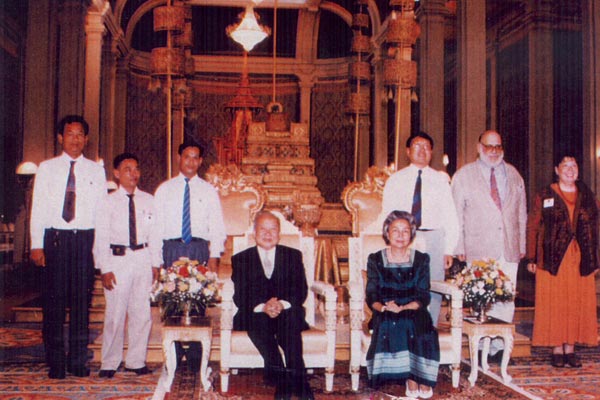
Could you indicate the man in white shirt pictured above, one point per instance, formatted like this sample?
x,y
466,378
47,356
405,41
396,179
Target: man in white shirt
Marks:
x,y
63,215
492,211
129,260
425,193
189,221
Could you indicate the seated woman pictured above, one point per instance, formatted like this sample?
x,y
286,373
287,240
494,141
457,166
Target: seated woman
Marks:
x,y
404,345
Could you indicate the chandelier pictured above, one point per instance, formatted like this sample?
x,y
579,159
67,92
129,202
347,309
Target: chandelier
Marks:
x,y
248,33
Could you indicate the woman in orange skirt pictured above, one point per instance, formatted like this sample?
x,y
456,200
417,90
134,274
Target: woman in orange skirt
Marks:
x,y
562,250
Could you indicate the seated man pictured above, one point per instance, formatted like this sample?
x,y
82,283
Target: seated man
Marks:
x,y
270,288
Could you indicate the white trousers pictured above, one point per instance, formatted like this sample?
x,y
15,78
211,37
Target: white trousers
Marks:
x,y
128,300
504,310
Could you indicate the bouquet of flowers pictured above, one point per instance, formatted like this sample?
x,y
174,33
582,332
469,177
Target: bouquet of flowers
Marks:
x,y
184,288
483,282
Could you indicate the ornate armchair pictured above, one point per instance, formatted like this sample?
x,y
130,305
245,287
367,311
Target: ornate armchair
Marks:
x,y
240,198
238,351
368,239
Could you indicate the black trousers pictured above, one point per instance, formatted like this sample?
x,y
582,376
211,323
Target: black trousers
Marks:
x,y
68,282
278,332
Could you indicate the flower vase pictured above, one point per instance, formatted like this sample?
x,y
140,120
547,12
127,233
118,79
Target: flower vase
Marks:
x,y
187,307
480,312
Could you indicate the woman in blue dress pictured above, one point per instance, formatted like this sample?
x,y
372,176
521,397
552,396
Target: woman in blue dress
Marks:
x,y
404,345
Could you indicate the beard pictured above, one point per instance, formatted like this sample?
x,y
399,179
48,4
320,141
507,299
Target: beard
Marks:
x,y
487,161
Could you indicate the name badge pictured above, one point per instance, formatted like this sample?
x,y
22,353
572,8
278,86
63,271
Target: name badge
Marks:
x,y
549,202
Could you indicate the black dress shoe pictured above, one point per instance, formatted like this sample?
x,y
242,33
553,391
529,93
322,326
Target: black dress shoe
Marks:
x,y
139,371
107,373
56,373
558,360
283,392
79,371
305,392
573,360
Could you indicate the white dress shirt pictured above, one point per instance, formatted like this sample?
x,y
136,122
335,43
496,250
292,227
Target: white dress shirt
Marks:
x,y
437,204
205,212
112,227
267,259
49,194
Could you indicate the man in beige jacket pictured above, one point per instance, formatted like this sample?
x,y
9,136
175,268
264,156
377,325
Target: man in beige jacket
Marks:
x,y
490,200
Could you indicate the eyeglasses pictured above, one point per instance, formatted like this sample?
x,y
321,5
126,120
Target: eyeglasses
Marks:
x,y
490,147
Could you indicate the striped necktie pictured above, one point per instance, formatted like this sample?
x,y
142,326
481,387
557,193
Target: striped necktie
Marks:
x,y
68,212
416,204
186,224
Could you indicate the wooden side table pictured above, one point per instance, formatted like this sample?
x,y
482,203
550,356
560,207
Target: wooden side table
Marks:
x,y
476,331
174,329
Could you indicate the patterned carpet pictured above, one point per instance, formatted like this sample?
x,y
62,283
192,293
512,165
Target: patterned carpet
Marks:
x,y
535,375
23,376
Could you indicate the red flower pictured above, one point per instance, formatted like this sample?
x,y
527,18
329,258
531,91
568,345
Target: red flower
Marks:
x,y
478,274
202,269
183,271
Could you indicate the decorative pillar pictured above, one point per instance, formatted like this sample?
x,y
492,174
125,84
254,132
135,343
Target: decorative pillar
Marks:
x,y
94,30
120,105
400,72
39,97
541,99
471,109
431,17
107,133
380,99
306,85
71,59
359,77
591,91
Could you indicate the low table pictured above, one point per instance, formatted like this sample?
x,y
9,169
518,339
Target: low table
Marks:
x,y
174,329
493,327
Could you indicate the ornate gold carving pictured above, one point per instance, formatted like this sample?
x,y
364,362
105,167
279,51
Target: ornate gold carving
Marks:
x,y
169,18
403,31
167,61
360,70
402,73
373,183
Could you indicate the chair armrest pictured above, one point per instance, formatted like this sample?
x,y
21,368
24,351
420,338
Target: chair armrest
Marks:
x,y
328,292
456,301
324,289
227,305
447,288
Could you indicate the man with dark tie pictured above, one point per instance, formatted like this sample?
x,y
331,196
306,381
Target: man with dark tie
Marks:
x,y
129,260
270,289
425,193
66,193
189,222
492,191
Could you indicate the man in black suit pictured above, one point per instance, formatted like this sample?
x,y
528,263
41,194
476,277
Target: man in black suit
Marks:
x,y
270,288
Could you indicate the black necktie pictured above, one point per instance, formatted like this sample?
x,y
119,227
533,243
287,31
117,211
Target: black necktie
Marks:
x,y
68,212
416,205
132,226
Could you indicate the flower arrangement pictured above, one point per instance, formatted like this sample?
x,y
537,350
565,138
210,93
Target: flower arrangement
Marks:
x,y
483,282
186,287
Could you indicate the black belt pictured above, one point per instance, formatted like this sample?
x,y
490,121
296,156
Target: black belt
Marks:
x,y
119,249
194,239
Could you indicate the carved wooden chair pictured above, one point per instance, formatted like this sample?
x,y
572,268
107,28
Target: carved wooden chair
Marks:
x,y
238,351
240,198
368,239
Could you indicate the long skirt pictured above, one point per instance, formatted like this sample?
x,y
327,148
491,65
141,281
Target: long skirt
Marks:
x,y
403,346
